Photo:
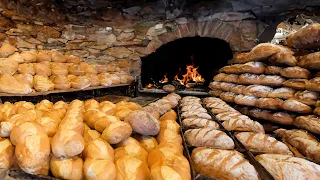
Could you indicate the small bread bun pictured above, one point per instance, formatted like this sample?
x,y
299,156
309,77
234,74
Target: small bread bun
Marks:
x,y
58,57
19,133
313,84
295,73
269,103
6,153
282,92
73,59
44,105
116,132
43,56
143,122
299,84
245,100
90,135
94,169
75,69
273,70
67,143
228,96
98,149
33,154
296,106
67,168
149,143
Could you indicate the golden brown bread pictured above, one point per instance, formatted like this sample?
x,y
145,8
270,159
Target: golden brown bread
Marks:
x,y
8,67
98,149
67,168
42,69
269,103
299,84
283,58
223,164
8,84
252,67
215,92
307,97
149,143
257,90
43,56
295,73
170,115
29,56
228,96
131,168
42,83
273,70
57,57
6,153
219,77
310,123
305,38
296,106
245,100
313,84
303,141
310,61
143,122
26,68
238,89
94,169
278,117
317,111
6,50
231,78
282,92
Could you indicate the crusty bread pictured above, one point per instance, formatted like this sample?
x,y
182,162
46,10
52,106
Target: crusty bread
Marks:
x,y
219,77
310,61
91,135
299,84
228,96
296,106
19,133
67,168
310,123
231,78
6,153
98,149
295,73
273,70
245,100
238,89
170,115
116,132
252,67
306,97
143,122
243,125
199,123
262,143
269,103
282,92
313,84
128,167
94,169
149,143
283,58
257,90
305,38
207,137
223,164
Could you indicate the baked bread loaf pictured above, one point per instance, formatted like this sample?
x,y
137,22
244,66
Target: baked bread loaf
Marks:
x,y
252,67
42,69
273,70
26,68
238,89
304,142
59,69
194,107
67,143
42,83
8,67
313,84
90,135
6,153
24,79
199,123
307,97
29,56
226,86
80,82
215,85
262,143
170,115
16,57
6,50
116,132
288,167
245,100
43,56
299,84
310,61
58,57
269,103
149,143
310,123
94,169
243,125
32,155
73,59
282,92
191,114
220,77
283,58
228,96
231,115
271,80
8,84
295,73
317,111
169,133
143,122
75,69
278,117
67,168
208,137
257,90
296,106
247,78
232,69
305,38
231,78
235,166
138,170
98,149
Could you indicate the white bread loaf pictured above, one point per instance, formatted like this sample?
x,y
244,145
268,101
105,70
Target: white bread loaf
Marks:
x,y
94,169
199,123
147,142
91,135
19,133
67,168
6,154
98,149
131,168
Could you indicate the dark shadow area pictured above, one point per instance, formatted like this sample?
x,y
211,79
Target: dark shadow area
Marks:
x,y
208,54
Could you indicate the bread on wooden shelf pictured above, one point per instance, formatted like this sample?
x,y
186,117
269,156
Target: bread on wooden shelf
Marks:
x,y
296,106
42,69
243,125
310,123
258,53
6,153
8,84
278,117
269,103
313,84
248,79
199,123
257,90
245,100
282,92
273,70
223,164
208,137
299,84
303,141
288,167
238,89
228,96
231,115
295,73
262,143
305,38
283,58
306,97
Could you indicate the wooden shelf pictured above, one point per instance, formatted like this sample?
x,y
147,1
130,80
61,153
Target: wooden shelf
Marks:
x,y
184,92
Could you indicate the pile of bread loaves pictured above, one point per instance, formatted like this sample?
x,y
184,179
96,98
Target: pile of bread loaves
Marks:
x,y
275,82
92,140
29,71
215,154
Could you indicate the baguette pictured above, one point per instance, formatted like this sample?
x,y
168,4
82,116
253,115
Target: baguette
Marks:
x,y
310,61
238,89
310,123
215,92
273,70
195,107
243,125
282,92
262,143
231,115
231,78
313,84
283,58
228,96
207,137
295,73
299,84
296,106
191,114
199,123
269,103
253,67
219,77
257,90
223,164
305,38
307,97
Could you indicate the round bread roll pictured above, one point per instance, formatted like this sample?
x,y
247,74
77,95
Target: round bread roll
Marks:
x,y
67,168
33,154
6,153
245,100
313,84
91,104
138,170
116,132
60,104
59,69
94,80
74,124
42,69
228,96
94,169
299,84
58,57
149,143
80,82
98,149
273,70
28,56
269,103
49,124
238,89
91,135
67,143
19,133
44,105
143,122
43,56
26,68
75,69
296,106
170,115
295,73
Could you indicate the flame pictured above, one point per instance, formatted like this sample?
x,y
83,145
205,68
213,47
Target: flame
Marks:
x,y
164,79
191,75
149,85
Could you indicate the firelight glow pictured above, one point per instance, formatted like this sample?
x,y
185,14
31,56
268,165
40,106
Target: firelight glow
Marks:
x,y
191,75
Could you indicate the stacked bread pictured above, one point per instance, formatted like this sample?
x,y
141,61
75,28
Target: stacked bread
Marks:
x,y
167,160
29,71
278,90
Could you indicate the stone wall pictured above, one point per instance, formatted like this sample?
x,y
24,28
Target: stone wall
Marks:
x,y
120,39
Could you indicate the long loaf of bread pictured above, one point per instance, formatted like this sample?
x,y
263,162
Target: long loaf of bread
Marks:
x,y
199,123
